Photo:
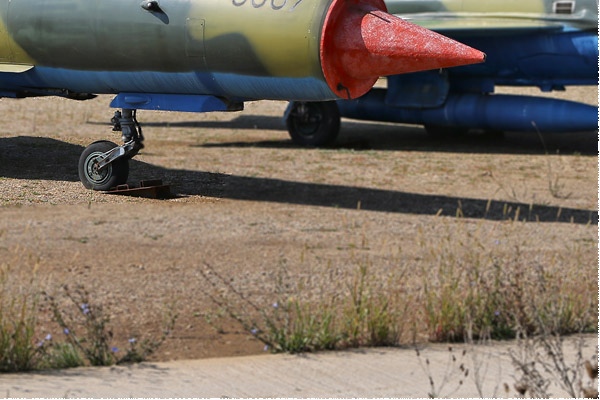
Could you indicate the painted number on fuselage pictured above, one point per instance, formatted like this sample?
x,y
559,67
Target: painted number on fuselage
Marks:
x,y
274,4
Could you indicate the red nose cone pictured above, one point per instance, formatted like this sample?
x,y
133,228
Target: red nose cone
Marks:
x,y
361,42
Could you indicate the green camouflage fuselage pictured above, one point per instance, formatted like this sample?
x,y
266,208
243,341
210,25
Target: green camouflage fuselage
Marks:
x,y
199,39
189,35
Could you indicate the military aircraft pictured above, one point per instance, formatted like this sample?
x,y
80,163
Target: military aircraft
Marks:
x,y
204,55
548,44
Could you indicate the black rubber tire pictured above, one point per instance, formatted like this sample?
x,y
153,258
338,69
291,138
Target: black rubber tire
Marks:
x,y
113,175
318,126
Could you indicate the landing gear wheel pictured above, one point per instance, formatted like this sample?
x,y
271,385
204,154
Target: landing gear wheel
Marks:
x,y
112,175
313,124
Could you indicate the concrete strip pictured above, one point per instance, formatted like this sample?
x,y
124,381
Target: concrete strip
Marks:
x,y
387,372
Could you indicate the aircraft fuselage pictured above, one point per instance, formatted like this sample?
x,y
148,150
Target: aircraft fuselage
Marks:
x,y
113,46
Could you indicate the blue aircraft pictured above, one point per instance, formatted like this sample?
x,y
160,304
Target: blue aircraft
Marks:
x,y
549,44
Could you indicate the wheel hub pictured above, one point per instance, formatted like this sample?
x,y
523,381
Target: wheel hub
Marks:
x,y
93,172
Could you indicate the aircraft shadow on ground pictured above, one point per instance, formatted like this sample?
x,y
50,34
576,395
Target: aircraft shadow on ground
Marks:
x,y
411,139
246,121
365,135
49,159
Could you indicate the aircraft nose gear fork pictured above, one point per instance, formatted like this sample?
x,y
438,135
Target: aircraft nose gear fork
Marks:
x,y
103,164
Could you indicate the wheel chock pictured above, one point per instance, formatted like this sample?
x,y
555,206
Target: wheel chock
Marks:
x,y
151,189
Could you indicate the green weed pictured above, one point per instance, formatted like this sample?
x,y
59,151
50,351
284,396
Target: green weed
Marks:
x,y
481,291
306,317
467,284
87,329
18,319
59,355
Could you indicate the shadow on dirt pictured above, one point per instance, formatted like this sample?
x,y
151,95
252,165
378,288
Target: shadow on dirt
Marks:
x,y
365,135
337,196
50,159
26,157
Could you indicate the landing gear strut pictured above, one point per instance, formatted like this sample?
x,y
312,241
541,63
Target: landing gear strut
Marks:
x,y
103,164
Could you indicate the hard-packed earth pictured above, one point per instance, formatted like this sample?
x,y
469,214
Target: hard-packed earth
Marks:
x,y
247,203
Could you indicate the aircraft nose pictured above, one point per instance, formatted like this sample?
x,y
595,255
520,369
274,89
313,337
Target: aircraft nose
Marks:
x,y
361,42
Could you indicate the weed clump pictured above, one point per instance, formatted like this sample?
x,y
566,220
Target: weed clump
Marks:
x,y
86,337
359,314
87,331
18,320
466,286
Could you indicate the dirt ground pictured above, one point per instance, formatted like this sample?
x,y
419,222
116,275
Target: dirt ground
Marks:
x,y
248,200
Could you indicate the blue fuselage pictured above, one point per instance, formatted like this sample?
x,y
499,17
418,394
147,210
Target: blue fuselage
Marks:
x,y
547,59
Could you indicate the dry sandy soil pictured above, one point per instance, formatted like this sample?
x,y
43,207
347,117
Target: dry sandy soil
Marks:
x,y
248,201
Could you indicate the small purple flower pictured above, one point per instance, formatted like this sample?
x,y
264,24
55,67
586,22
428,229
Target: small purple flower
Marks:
x,y
66,331
48,337
276,305
114,349
497,313
254,331
40,343
132,340
266,348
85,308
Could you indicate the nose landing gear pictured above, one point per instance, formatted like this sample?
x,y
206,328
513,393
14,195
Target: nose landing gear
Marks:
x,y
103,164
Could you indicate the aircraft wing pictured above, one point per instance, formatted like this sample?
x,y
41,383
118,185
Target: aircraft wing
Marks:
x,y
479,18
482,24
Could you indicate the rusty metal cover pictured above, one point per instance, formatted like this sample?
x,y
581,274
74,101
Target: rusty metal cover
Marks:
x,y
151,189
